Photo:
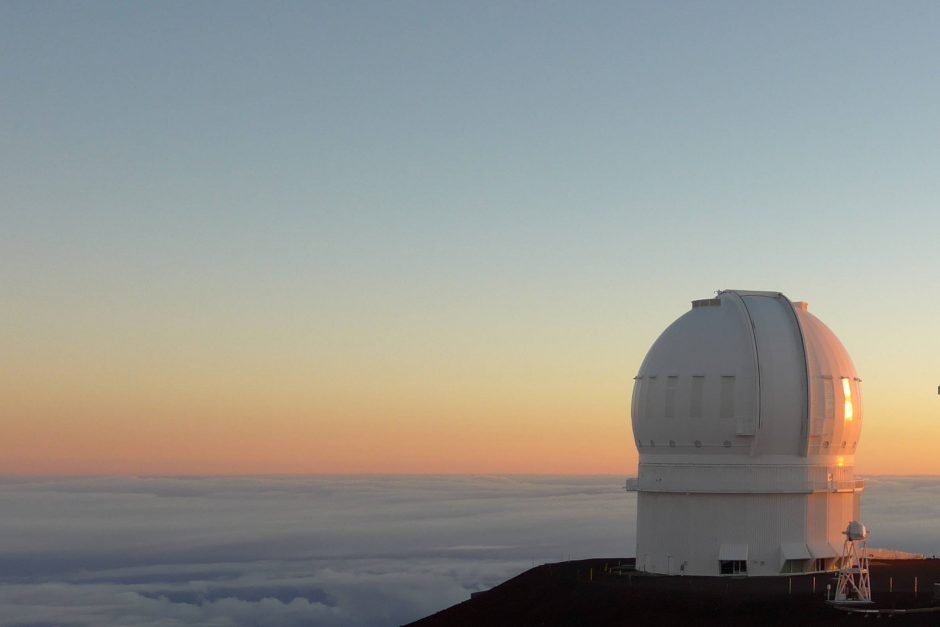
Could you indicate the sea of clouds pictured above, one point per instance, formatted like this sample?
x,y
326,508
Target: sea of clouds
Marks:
x,y
324,551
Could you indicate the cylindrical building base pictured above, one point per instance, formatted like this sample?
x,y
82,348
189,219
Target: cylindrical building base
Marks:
x,y
741,534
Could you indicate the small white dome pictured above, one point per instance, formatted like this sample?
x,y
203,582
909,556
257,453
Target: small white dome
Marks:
x,y
747,375
856,531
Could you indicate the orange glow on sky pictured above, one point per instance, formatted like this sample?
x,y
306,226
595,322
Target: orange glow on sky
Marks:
x,y
542,407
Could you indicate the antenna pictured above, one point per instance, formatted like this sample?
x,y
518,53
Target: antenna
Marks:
x,y
854,583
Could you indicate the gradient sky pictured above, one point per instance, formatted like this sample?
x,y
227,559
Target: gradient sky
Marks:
x,y
440,237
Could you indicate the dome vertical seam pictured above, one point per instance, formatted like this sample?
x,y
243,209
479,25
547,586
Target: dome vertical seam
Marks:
x,y
804,425
753,334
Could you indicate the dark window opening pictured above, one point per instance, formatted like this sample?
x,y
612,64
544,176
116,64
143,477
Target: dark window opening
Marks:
x,y
794,566
732,567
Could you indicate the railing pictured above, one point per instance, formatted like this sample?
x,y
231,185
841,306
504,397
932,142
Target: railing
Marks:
x,y
744,479
847,485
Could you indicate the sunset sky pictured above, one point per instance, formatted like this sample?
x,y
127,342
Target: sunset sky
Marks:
x,y
439,237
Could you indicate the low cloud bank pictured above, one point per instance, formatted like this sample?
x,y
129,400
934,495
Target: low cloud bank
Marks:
x,y
323,551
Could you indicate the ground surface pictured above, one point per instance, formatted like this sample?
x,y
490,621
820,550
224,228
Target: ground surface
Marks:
x,y
595,592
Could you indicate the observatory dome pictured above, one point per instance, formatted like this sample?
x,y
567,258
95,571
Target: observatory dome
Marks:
x,y
747,374
746,411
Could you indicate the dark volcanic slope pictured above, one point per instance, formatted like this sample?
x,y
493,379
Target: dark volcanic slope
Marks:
x,y
589,592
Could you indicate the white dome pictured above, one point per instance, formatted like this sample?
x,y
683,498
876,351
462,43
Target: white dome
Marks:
x,y
745,375
746,414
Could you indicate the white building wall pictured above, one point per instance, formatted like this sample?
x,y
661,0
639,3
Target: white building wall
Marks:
x,y
677,529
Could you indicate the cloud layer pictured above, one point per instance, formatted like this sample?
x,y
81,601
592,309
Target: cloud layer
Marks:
x,y
286,551
325,551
